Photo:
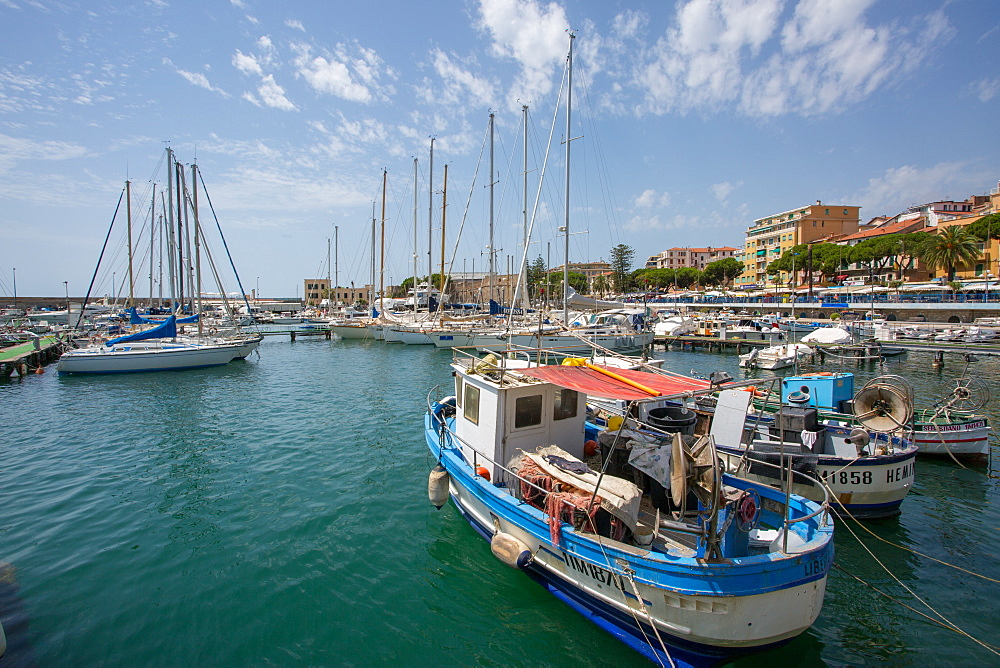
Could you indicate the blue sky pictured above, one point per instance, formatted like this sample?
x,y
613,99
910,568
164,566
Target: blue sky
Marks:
x,y
690,120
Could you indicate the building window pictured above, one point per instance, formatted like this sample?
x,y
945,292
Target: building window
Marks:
x,y
827,212
471,410
458,391
565,404
528,411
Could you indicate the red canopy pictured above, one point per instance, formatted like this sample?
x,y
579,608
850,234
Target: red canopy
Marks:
x,y
594,383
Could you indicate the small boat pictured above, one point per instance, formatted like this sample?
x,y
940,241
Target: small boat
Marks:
x,y
953,426
828,335
681,561
775,357
868,467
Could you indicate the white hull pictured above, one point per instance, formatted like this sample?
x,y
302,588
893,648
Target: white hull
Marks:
x,y
963,439
413,338
731,621
138,356
616,342
351,331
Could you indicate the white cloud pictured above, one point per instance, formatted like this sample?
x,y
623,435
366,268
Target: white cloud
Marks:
x,y
247,63
723,190
239,4
349,76
295,25
985,89
821,58
457,81
903,186
200,80
531,34
650,199
17,149
273,95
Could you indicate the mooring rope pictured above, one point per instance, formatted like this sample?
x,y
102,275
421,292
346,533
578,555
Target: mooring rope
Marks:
x,y
947,621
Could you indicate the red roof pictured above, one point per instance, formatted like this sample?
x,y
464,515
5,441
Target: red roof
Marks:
x,y
597,384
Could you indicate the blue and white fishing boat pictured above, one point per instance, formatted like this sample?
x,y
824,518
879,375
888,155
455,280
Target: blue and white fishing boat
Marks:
x,y
679,560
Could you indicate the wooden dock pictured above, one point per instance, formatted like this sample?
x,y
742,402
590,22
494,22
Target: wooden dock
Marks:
x,y
29,357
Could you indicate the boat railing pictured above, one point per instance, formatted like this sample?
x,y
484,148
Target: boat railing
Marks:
x,y
511,481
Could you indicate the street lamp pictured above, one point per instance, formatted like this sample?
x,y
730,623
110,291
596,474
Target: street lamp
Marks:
x,y
66,285
14,271
256,292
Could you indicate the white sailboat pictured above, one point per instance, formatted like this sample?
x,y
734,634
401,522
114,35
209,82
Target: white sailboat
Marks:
x,y
162,347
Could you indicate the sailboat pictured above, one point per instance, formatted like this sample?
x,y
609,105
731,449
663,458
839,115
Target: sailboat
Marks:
x,y
162,347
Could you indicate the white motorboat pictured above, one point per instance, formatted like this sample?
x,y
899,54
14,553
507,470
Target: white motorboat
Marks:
x,y
775,357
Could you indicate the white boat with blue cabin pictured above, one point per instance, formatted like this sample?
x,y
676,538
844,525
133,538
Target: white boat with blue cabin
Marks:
x,y
684,563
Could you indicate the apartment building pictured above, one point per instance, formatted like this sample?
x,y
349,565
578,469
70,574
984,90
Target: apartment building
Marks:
x,y
768,237
675,258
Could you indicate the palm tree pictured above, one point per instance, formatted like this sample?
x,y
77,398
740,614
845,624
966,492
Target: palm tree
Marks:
x,y
600,285
951,246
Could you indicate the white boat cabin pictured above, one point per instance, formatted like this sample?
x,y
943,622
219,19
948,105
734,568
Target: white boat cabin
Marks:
x,y
499,413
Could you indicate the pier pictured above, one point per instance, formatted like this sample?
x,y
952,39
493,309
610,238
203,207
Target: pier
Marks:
x,y
29,357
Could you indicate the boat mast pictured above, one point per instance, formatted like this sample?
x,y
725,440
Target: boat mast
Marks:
x,y
381,274
371,294
523,274
181,271
169,206
430,222
128,218
416,301
569,109
492,269
329,285
336,257
197,242
444,208
188,269
152,241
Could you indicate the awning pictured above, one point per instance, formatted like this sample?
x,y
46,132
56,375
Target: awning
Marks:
x,y
596,383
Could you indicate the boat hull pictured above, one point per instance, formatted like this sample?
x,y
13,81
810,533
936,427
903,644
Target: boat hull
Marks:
x,y
136,358
866,488
703,613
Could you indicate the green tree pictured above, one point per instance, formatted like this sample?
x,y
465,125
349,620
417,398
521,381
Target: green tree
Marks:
x,y
601,285
688,277
654,278
986,227
622,257
536,276
951,247
577,281
722,272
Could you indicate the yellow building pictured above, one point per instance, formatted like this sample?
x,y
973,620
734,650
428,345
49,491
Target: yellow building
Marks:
x,y
772,235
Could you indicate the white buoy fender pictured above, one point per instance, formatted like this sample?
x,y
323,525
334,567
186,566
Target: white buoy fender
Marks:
x,y
510,550
437,486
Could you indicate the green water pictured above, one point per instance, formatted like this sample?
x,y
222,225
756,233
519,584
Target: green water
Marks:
x,y
274,512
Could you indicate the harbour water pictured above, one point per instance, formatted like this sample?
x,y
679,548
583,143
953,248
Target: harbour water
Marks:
x,y
274,511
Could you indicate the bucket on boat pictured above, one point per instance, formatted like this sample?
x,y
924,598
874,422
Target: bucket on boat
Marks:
x,y
644,535
674,419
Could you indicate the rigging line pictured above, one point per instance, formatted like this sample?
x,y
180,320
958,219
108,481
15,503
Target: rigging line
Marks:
x,y
83,307
538,194
208,198
461,227
603,175
900,582
900,602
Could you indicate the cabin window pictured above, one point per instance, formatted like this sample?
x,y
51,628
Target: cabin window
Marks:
x,y
458,391
471,409
528,411
565,404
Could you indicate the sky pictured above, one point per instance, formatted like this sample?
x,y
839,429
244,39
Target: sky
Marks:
x,y
690,119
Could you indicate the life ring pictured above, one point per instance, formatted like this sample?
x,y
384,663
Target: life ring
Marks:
x,y
212,331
